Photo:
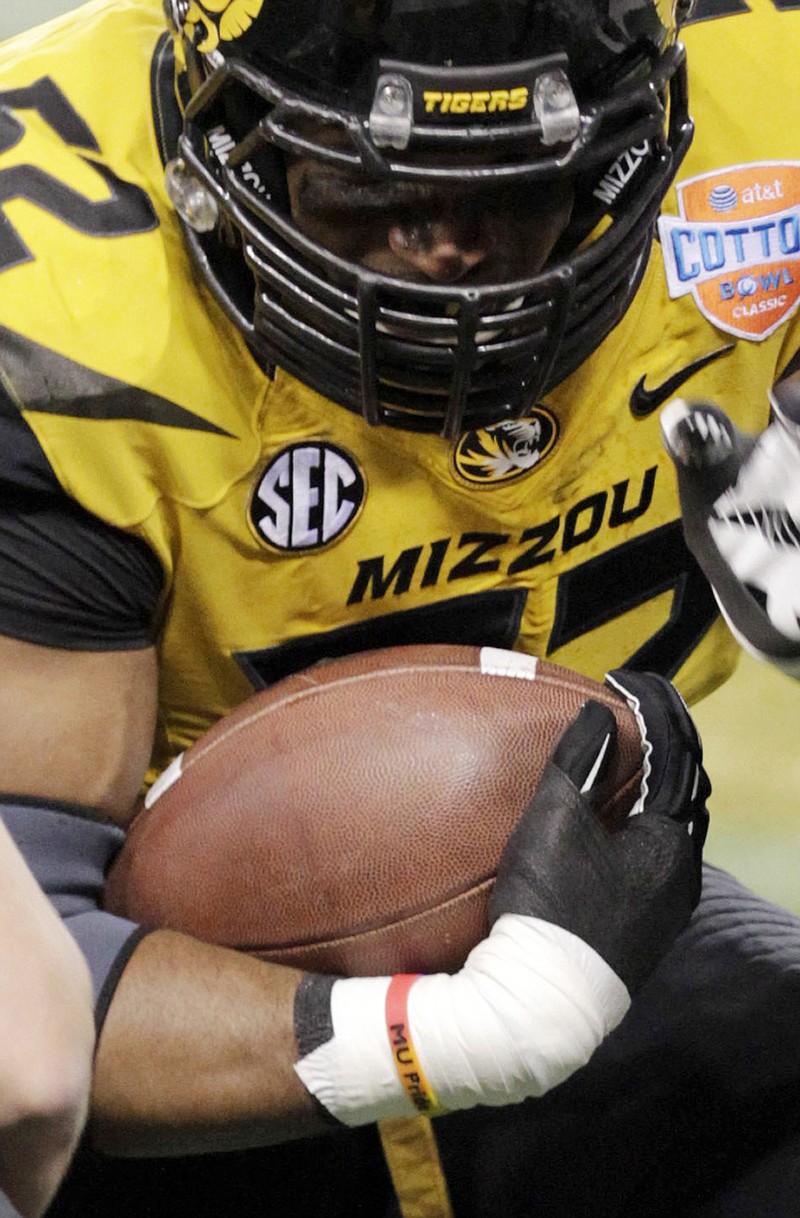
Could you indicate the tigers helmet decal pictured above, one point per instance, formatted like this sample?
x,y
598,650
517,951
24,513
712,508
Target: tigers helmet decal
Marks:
x,y
218,21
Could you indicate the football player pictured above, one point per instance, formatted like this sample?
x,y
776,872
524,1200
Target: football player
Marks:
x,y
326,326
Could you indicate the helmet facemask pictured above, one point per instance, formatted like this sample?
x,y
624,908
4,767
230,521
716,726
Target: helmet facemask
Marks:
x,y
419,355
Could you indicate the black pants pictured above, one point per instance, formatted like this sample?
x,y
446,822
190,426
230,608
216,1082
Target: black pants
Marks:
x,y
691,1109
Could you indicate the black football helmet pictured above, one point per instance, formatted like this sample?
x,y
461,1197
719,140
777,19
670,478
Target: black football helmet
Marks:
x,y
594,90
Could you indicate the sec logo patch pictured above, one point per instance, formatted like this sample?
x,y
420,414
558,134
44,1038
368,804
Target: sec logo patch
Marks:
x,y
736,247
308,496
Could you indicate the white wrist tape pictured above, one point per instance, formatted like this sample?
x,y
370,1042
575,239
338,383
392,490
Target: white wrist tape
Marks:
x,y
529,1007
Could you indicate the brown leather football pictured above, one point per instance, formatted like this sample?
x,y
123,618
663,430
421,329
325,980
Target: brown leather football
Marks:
x,y
350,819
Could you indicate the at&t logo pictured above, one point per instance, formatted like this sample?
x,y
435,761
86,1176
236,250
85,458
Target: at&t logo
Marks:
x,y
308,495
736,246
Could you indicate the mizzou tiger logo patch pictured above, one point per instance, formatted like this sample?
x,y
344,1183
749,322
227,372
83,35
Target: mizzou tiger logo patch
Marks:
x,y
506,451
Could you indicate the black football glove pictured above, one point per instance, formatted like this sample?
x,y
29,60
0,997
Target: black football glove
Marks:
x,y
740,500
531,1003
627,893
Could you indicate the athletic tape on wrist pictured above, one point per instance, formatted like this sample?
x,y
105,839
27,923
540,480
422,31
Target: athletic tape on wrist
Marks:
x,y
404,1053
529,1007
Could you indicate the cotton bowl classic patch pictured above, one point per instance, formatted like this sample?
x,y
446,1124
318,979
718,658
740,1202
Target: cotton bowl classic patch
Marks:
x,y
736,246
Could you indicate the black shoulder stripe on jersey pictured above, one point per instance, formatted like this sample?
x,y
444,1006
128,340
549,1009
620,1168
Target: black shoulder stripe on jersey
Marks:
x,y
67,579
40,379
166,112
23,465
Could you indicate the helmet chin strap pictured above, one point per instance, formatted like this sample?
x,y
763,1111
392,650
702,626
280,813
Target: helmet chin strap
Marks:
x,y
177,11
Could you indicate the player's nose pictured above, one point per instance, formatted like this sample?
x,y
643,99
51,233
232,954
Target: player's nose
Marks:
x,y
443,251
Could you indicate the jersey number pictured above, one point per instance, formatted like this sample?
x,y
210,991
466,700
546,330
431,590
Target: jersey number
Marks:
x,y
589,596
127,209
707,10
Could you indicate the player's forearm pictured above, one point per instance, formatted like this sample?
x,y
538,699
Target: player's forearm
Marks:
x,y
197,1054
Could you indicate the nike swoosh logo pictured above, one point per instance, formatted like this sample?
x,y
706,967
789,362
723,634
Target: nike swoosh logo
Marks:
x,y
644,401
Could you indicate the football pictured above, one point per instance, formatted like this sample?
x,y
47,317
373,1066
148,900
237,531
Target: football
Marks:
x,y
350,818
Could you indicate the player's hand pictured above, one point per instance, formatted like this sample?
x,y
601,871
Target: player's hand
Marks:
x,y
626,893
580,917
740,500
579,913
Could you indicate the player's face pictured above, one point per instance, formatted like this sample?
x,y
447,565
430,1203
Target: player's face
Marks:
x,y
428,234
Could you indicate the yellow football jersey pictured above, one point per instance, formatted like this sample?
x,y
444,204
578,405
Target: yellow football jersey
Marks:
x,y
286,527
